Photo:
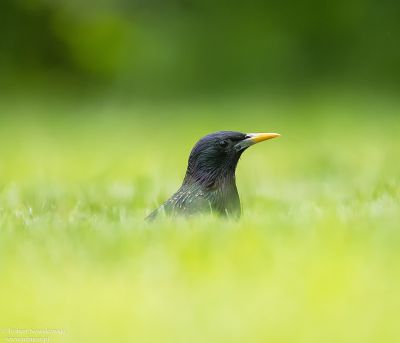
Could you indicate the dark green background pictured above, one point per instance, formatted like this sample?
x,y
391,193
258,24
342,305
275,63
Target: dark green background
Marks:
x,y
179,47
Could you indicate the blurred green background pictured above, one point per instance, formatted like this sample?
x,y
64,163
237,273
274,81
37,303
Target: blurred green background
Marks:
x,y
100,104
168,47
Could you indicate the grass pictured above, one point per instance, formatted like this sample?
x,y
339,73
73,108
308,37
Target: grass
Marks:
x,y
314,259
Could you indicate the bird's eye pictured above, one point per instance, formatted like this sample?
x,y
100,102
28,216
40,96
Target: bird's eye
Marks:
x,y
224,143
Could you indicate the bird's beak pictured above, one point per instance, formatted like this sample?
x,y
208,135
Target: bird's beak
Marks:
x,y
253,138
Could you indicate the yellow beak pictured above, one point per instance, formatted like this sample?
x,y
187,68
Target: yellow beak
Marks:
x,y
260,137
253,138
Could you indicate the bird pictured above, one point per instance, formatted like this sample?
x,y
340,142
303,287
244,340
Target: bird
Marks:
x,y
209,185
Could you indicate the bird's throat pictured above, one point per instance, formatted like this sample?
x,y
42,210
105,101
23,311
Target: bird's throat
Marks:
x,y
210,179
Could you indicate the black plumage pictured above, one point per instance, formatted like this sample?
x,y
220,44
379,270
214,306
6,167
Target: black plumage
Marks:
x,y
209,184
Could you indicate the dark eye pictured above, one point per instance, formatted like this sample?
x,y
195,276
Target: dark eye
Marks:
x,y
224,143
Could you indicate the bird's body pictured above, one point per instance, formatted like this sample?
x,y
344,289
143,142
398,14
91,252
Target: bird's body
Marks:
x,y
193,199
209,184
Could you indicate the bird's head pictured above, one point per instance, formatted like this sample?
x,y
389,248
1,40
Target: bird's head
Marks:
x,y
215,156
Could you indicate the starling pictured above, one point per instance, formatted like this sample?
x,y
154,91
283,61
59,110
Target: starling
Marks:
x,y
209,185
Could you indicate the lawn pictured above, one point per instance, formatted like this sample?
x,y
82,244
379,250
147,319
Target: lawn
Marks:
x,y
314,258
